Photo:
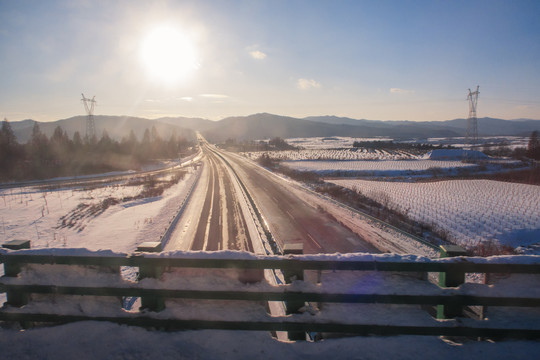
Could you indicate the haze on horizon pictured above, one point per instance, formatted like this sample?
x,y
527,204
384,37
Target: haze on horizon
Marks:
x,y
380,60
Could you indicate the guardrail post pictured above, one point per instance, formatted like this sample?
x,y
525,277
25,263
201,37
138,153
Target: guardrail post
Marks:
x,y
450,279
290,275
12,269
152,303
17,244
14,298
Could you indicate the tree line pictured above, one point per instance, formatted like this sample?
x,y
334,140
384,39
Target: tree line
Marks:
x,y
275,143
42,157
390,145
532,151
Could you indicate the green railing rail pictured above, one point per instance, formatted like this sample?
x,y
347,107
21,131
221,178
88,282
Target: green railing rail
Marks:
x,y
186,259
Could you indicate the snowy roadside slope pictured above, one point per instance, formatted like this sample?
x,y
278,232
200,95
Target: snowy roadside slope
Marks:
x,y
36,215
384,238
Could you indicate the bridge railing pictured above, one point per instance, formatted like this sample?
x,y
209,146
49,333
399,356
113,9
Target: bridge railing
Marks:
x,y
354,293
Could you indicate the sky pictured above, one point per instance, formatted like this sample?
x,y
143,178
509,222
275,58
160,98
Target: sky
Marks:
x,y
378,60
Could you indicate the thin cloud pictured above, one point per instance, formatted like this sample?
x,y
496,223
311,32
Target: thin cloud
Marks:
x,y
306,84
401,91
214,96
256,54
169,99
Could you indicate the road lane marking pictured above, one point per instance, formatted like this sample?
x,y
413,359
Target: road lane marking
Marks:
x,y
315,241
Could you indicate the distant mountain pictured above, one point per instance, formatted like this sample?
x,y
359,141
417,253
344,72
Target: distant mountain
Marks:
x,y
264,125
197,124
486,126
498,127
117,127
261,126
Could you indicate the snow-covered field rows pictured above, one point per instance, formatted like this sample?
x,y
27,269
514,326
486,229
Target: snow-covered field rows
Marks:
x,y
335,154
323,167
329,142
471,211
91,218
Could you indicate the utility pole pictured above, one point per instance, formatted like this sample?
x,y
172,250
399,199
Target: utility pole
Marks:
x,y
90,125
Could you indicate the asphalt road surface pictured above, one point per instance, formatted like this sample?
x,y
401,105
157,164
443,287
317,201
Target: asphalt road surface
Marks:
x,y
290,218
213,219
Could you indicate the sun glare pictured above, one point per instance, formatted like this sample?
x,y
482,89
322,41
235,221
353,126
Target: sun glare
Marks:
x,y
168,55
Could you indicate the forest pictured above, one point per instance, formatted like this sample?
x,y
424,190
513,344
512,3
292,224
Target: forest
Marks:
x,y
42,157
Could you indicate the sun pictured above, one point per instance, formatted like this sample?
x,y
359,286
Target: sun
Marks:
x,y
168,55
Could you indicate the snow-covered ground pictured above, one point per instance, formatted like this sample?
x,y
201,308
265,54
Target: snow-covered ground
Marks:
x,y
74,217
97,340
460,142
37,215
334,154
471,211
334,142
382,166
329,142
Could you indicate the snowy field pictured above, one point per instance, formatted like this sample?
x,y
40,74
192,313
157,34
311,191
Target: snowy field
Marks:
x,y
471,211
335,154
460,142
329,142
384,166
93,218
334,142
56,218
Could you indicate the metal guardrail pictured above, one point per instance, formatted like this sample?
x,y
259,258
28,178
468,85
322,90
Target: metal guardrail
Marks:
x,y
164,239
153,266
215,260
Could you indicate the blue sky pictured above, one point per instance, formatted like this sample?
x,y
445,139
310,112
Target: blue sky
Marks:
x,y
381,60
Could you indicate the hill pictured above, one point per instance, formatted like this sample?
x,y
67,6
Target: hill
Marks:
x,y
197,124
261,126
486,126
264,125
116,126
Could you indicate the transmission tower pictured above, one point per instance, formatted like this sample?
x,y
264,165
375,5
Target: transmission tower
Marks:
x,y
472,122
90,125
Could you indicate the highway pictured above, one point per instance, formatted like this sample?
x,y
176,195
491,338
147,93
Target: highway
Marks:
x,y
291,219
214,219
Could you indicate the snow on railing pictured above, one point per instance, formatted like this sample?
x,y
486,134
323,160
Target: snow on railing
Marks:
x,y
357,293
